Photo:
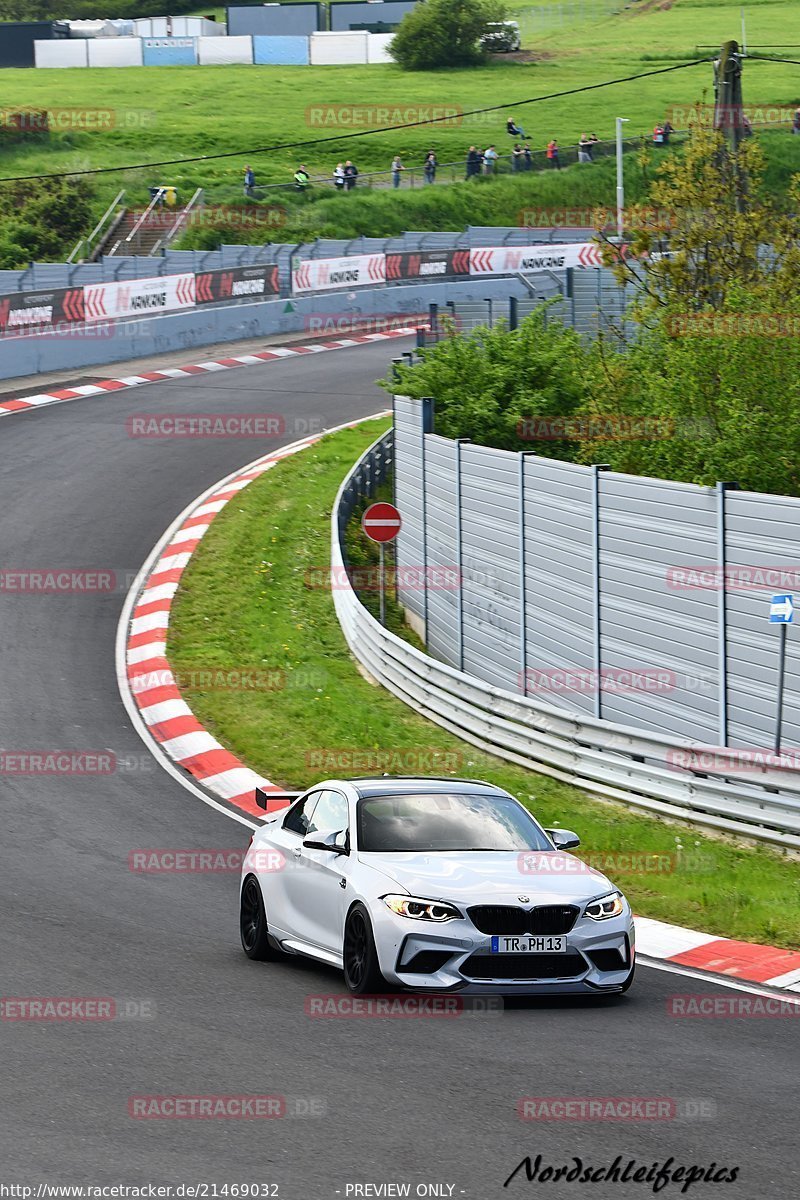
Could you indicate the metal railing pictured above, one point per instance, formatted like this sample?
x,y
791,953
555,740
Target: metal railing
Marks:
x,y
95,236
613,761
168,238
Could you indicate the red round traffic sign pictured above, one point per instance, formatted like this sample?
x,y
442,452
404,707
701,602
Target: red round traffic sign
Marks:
x,y
381,522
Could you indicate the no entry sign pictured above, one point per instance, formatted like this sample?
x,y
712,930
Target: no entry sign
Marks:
x,y
381,522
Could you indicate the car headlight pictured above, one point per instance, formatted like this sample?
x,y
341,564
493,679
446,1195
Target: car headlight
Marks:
x,y
607,906
421,910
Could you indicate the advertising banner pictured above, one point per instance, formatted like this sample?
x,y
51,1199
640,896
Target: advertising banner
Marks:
x,y
323,274
138,297
22,311
237,283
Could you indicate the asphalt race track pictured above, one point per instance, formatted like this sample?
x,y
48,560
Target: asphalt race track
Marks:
x,y
367,1101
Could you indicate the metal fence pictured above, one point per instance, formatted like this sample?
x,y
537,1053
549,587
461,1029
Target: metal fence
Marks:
x,y
642,601
652,770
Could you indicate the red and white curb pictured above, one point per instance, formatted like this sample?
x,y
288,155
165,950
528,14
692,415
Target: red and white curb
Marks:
x,y
149,680
219,364
747,961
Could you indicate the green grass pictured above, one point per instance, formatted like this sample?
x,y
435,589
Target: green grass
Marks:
x,y
246,602
203,110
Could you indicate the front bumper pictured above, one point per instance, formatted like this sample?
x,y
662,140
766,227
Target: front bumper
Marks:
x,y
472,968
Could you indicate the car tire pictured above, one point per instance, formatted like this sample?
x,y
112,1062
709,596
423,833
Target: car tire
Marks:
x,y
253,923
628,981
360,958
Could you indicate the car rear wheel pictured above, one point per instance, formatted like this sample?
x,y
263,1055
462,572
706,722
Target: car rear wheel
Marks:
x,y
361,971
253,923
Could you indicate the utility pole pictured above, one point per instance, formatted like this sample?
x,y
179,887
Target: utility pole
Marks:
x,y
728,106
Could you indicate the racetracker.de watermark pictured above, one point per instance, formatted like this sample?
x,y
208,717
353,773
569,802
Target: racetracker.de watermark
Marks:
x,y
222,860
630,862
227,1108
335,1006
57,762
730,116
709,1005
725,758
331,323
214,216
75,117
733,325
759,577
392,762
638,219
617,1109
368,579
370,116
80,1009
602,427
220,425
610,679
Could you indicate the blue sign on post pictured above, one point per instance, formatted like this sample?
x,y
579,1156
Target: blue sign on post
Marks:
x,y
781,610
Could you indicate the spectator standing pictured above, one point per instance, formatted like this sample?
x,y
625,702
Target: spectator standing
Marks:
x,y
249,180
338,177
658,135
513,129
528,156
584,149
431,163
301,179
490,157
473,163
350,176
397,169
517,158
552,154
593,140
668,129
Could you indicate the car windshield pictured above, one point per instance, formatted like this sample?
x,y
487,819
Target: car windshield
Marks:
x,y
446,821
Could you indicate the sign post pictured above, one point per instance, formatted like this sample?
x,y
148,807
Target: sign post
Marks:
x,y
381,523
781,612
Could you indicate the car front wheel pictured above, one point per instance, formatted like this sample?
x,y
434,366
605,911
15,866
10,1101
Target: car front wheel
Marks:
x,y
253,923
361,971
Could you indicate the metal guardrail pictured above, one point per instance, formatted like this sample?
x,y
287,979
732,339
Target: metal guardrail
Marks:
x,y
612,761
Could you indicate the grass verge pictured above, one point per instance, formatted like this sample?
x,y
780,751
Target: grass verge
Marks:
x,y
254,599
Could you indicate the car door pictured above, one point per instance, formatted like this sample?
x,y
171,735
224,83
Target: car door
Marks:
x,y
316,884
287,836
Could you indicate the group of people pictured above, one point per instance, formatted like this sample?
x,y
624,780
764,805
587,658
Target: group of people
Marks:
x,y
485,162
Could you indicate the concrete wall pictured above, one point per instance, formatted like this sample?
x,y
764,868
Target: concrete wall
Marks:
x,y
115,52
114,342
283,51
159,52
338,49
214,51
61,53
279,20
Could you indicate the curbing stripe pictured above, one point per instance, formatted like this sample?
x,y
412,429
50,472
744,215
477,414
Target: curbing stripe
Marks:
x,y
219,364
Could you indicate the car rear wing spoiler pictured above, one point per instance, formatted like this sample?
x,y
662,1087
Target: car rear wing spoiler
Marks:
x,y
263,797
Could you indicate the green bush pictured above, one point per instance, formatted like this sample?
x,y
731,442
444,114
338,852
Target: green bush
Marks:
x,y
444,33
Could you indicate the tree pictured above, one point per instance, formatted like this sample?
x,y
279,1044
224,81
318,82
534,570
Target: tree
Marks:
x,y
444,33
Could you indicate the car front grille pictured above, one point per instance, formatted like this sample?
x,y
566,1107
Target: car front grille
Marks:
x,y
506,918
524,966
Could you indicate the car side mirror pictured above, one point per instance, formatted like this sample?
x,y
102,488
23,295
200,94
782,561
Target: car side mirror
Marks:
x,y
335,842
563,839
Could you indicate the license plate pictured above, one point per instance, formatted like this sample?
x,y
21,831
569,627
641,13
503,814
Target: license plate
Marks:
x,y
529,944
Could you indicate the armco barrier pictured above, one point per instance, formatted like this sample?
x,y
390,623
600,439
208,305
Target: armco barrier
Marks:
x,y
610,760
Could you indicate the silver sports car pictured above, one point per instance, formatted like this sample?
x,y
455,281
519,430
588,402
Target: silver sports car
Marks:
x,y
436,885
